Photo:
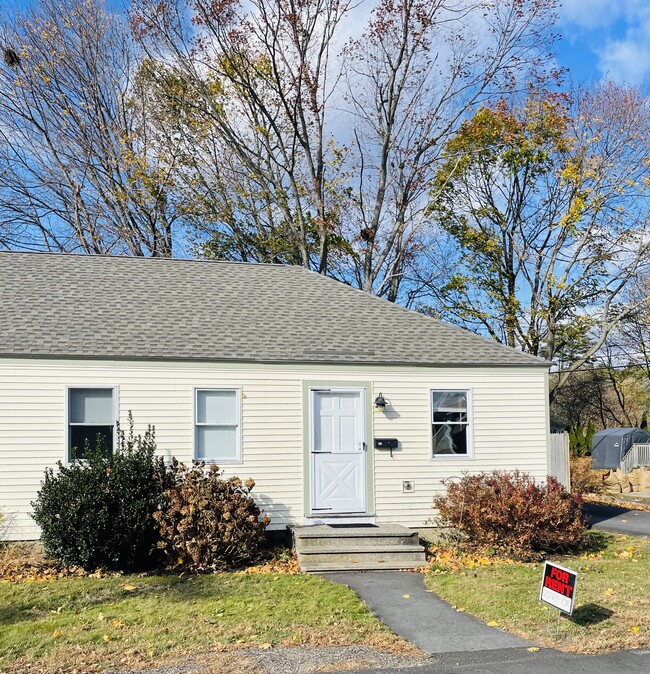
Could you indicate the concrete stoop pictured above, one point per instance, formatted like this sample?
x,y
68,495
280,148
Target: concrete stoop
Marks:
x,y
325,547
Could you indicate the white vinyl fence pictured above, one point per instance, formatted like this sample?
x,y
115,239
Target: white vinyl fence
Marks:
x,y
559,458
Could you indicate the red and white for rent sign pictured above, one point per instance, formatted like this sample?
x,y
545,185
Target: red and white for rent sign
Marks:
x,y
558,587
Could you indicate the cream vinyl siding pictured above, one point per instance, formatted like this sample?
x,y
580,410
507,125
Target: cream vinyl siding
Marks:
x,y
508,429
509,426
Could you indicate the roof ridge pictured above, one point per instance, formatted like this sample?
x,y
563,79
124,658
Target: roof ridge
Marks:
x,y
140,258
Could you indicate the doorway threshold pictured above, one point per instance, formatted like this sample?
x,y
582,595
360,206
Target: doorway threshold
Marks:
x,y
342,518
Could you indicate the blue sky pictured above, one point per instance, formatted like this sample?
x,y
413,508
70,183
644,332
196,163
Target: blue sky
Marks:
x,y
606,38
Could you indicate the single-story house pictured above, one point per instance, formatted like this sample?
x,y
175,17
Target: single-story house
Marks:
x,y
343,407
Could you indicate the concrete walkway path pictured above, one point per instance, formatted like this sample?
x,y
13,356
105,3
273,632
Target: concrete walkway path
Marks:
x,y
618,520
423,618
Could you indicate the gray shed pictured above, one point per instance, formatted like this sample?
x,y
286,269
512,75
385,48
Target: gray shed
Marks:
x,y
608,447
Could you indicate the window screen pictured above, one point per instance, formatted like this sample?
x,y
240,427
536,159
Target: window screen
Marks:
x,y
450,422
217,425
91,421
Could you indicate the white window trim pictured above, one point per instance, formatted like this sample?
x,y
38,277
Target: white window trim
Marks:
x,y
238,435
75,387
469,425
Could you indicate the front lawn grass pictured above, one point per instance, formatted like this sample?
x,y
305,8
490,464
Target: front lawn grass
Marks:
x,y
87,624
612,605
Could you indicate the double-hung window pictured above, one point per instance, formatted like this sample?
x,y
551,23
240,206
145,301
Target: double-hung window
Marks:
x,y
217,425
450,423
91,421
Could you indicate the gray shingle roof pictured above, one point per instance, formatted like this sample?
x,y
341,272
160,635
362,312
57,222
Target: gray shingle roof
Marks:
x,y
117,307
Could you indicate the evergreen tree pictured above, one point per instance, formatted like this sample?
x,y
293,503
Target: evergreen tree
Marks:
x,y
591,430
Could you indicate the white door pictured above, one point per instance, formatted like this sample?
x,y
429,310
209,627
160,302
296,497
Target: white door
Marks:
x,y
338,452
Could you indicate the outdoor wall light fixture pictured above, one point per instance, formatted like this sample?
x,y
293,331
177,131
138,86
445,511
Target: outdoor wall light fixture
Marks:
x,y
380,402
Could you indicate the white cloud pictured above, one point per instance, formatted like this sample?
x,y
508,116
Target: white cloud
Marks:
x,y
591,14
627,58
618,32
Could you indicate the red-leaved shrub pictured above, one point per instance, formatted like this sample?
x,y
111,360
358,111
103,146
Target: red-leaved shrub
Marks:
x,y
207,522
511,515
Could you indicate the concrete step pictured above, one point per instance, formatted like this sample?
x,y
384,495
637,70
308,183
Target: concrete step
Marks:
x,y
328,536
363,565
364,548
354,555
361,549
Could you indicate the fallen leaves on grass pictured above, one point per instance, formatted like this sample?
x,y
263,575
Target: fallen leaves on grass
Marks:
x,y
613,602
74,659
443,558
279,561
602,499
26,563
333,636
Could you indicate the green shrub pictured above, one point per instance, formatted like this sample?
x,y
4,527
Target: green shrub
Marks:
x,y
207,522
579,443
511,515
580,440
98,513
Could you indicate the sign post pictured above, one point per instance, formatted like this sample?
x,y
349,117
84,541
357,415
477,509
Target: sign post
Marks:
x,y
558,587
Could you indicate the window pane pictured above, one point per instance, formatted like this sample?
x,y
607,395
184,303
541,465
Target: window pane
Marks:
x,y
449,417
91,406
216,442
450,439
97,436
216,407
449,401
324,434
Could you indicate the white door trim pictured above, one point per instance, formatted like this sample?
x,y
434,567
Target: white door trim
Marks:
x,y
361,390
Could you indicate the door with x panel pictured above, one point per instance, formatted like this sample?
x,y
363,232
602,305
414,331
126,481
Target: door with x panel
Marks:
x,y
338,451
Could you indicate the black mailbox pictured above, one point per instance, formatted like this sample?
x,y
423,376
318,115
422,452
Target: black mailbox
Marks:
x,y
385,443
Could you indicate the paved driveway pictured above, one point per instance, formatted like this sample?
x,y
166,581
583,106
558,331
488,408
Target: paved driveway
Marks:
x,y
521,661
618,520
